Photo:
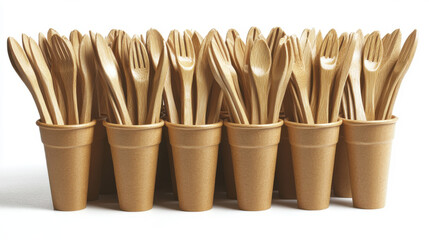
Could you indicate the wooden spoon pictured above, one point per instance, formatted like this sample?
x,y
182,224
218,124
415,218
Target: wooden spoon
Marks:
x,y
109,69
372,56
280,75
260,65
155,46
391,89
328,61
197,40
88,73
23,68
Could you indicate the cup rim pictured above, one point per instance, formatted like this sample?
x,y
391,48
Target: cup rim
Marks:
x,y
66,127
392,120
134,127
253,126
194,127
316,125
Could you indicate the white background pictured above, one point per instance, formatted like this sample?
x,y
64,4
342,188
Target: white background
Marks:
x,y
25,204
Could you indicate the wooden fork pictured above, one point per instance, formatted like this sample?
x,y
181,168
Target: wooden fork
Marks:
x,y
372,57
140,70
185,57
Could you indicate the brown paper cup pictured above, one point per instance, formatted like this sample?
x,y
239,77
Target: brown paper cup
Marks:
x,y
135,155
254,154
68,154
341,178
284,169
228,170
368,146
313,154
195,152
98,154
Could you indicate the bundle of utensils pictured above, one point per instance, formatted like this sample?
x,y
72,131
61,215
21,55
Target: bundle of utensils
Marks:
x,y
65,75
311,79
351,76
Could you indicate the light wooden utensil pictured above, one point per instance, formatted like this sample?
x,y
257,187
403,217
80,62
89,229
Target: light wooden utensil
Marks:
x,y
345,58
23,68
354,78
45,81
215,104
162,74
155,46
51,32
239,56
46,49
111,37
231,36
175,76
204,81
280,75
222,75
328,62
88,73
302,79
140,70
109,69
372,57
185,57
224,49
123,48
66,66
197,39
315,50
391,47
273,39
260,66
75,39
391,89
253,110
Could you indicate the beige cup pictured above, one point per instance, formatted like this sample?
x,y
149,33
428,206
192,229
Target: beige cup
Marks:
x,y
368,146
313,154
68,154
195,153
135,155
285,178
228,170
341,178
98,155
254,154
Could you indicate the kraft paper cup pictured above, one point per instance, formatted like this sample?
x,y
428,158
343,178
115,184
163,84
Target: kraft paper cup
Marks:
x,y
341,178
98,155
68,154
313,153
254,154
195,153
368,147
228,170
284,169
135,155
